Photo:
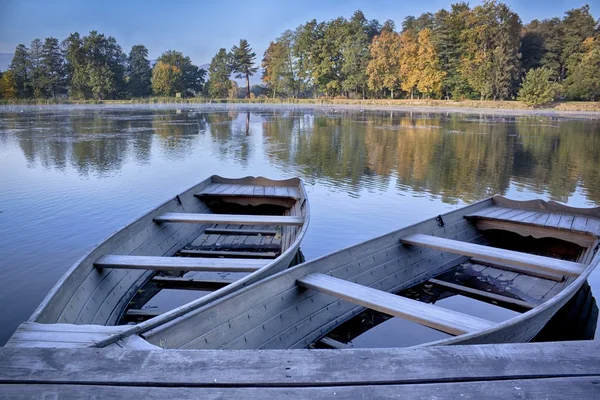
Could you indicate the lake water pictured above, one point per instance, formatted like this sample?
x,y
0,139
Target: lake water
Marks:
x,y
70,176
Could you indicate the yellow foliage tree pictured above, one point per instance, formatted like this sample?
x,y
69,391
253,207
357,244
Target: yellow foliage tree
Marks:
x,y
8,86
409,65
430,75
384,67
166,79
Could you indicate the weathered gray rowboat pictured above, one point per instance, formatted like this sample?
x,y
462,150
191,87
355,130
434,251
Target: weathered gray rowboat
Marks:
x,y
298,307
194,240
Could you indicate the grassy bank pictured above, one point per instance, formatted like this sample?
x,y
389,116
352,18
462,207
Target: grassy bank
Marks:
x,y
501,105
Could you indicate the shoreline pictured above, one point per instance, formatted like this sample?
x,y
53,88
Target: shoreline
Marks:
x,y
588,110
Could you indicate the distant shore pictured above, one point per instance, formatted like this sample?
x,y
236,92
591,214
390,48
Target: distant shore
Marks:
x,y
575,108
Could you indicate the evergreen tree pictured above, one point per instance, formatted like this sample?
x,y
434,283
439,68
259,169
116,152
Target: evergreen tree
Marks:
x,y
219,72
578,25
20,68
53,68
242,59
138,72
105,66
538,88
36,69
356,52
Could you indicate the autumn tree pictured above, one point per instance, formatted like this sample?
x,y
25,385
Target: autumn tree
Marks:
x,y
166,79
218,74
430,74
138,73
242,62
274,65
190,78
8,85
409,52
383,69
577,25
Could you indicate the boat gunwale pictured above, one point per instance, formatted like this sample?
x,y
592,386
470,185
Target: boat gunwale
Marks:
x,y
98,247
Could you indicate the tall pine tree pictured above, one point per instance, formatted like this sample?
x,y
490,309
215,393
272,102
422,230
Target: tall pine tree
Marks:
x,y
20,67
242,58
53,68
138,72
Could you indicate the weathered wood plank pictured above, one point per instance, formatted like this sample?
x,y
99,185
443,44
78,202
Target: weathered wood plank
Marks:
x,y
142,313
168,282
224,253
179,263
222,231
545,388
299,367
229,219
448,321
480,294
495,254
520,270
222,190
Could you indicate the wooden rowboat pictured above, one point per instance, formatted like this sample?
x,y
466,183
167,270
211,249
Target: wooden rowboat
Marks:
x,y
545,251
214,238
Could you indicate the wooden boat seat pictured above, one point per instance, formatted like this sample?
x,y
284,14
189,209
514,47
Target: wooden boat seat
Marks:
x,y
494,254
238,190
179,263
442,319
580,229
33,334
230,219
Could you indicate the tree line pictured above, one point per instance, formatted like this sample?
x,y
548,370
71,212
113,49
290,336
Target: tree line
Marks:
x,y
484,52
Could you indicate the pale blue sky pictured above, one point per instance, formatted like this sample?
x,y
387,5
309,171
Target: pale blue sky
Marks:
x,y
199,28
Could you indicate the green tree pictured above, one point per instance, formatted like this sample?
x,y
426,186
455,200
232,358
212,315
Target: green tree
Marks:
x,y
274,65
360,34
54,68
583,81
304,52
36,69
138,72
578,25
219,72
105,66
491,61
537,88
75,57
20,68
242,62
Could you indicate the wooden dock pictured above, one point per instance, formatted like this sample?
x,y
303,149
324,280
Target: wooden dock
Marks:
x,y
506,371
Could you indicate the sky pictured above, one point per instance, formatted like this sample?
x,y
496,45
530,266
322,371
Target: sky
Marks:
x,y
200,28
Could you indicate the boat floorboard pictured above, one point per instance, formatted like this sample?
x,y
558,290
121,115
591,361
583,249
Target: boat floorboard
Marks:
x,y
501,371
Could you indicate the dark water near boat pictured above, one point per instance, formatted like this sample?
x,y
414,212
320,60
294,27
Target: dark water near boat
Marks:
x,y
69,177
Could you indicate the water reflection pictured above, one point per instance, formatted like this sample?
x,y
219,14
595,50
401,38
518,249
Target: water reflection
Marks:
x,y
450,156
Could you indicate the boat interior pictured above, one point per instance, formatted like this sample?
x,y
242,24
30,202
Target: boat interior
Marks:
x,y
528,257
222,233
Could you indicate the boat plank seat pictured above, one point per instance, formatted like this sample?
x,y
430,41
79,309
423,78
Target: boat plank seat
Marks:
x,y
495,254
179,263
452,322
239,190
195,218
247,232
191,283
33,334
580,229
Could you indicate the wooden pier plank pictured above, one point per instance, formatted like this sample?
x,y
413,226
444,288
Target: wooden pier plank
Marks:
x,y
299,367
229,219
442,319
179,263
545,388
496,254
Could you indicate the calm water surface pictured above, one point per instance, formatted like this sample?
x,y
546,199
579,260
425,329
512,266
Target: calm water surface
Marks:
x,y
69,177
